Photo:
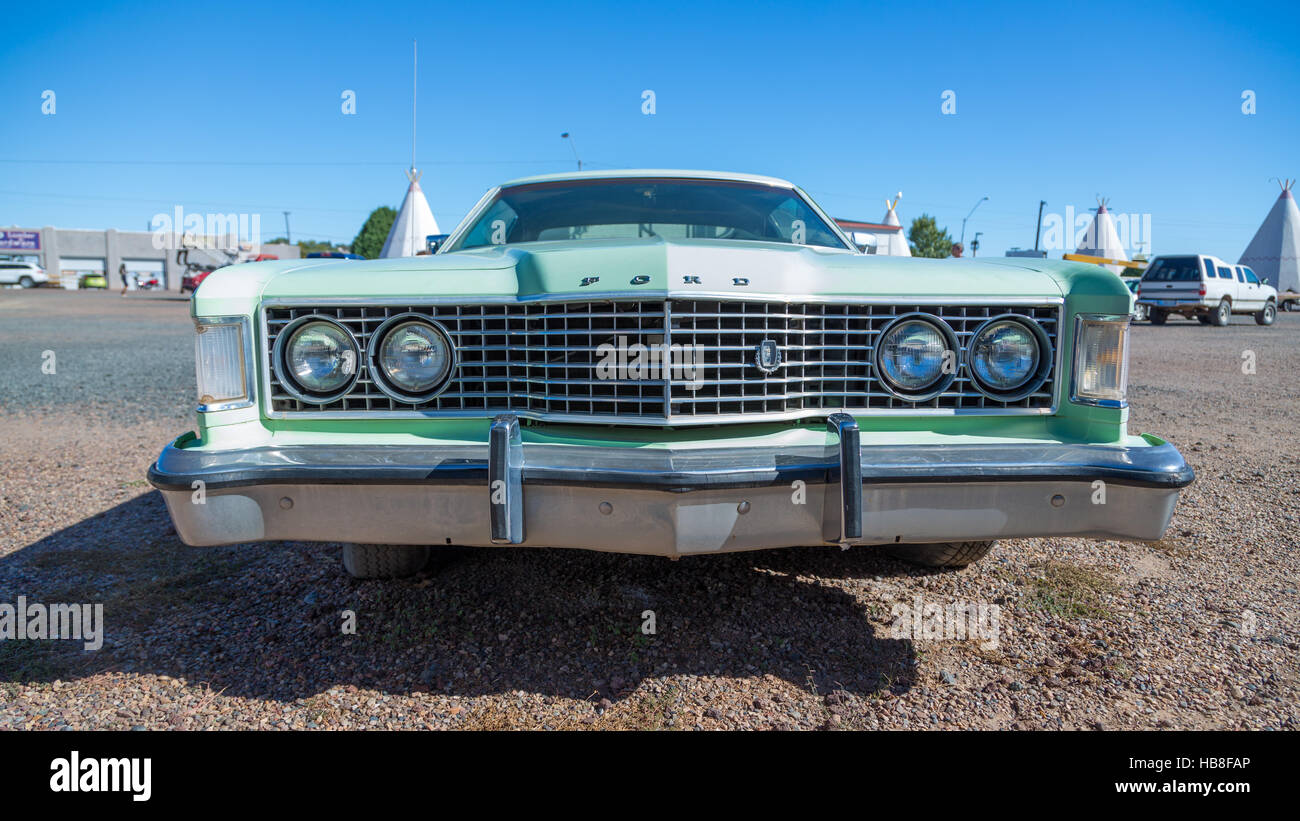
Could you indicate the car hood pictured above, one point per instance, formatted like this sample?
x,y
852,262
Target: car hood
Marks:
x,y
658,267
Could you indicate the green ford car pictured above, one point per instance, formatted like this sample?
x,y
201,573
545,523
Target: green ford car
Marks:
x,y
669,363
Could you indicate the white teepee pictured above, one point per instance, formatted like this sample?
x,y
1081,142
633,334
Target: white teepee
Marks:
x,y
1101,239
1274,253
414,223
895,243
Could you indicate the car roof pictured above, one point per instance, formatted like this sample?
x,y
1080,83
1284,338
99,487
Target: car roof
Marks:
x,y
1217,260
642,173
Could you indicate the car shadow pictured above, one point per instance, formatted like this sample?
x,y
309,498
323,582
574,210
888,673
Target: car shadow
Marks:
x,y
272,621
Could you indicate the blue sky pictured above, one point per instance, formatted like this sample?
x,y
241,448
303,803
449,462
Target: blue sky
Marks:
x,y
236,107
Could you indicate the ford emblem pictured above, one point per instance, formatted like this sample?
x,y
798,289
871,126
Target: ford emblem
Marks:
x,y
767,356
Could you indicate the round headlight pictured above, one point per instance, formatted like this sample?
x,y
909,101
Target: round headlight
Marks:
x,y
1009,357
1004,355
320,358
413,358
911,355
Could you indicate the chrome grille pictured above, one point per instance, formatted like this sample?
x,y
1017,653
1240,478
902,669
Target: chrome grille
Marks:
x,y
540,358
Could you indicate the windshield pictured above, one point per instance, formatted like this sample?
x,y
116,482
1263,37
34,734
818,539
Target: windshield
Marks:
x,y
1174,269
645,208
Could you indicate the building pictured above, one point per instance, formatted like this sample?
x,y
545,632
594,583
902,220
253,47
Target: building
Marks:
x,y
870,237
1274,252
885,238
413,225
1101,239
69,254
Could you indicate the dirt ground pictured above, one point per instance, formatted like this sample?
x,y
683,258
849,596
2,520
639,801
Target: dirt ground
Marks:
x,y
1195,631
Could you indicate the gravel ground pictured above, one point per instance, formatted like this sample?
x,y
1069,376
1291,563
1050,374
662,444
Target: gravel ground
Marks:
x,y
1094,635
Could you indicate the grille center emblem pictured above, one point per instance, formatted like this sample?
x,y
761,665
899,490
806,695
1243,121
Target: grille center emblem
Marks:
x,y
767,356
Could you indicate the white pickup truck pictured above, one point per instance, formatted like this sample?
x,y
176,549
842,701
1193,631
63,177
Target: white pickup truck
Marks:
x,y
1204,287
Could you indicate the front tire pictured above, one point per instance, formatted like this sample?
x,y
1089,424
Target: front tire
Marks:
x,y
384,561
1220,316
1141,312
1267,316
942,554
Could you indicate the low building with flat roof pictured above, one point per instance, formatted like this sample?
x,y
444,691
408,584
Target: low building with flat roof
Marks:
x,y
69,254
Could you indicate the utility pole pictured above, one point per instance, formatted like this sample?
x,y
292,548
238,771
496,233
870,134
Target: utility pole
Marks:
x,y
1039,227
288,238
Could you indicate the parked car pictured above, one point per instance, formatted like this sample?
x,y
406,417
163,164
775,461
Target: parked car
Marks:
x,y
189,282
1205,287
26,274
669,363
1139,310
93,280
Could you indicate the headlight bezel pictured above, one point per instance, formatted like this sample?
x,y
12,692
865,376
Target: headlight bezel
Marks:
x,y
945,377
284,374
379,375
1118,395
1037,377
246,376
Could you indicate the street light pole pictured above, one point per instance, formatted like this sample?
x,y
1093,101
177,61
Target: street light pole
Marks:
x,y
968,216
288,238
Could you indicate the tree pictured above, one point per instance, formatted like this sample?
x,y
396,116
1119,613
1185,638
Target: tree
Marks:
x,y
927,239
306,246
370,239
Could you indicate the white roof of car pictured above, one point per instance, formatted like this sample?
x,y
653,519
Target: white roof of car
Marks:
x,y
641,173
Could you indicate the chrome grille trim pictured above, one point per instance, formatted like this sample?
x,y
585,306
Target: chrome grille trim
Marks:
x,y
535,357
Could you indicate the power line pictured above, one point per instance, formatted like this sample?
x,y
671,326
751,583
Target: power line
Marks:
x,y
298,163
171,202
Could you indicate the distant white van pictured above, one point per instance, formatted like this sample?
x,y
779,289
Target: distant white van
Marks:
x,y
1205,287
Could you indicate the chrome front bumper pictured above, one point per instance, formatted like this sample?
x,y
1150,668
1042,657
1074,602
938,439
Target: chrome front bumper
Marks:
x,y
1176,305
668,501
